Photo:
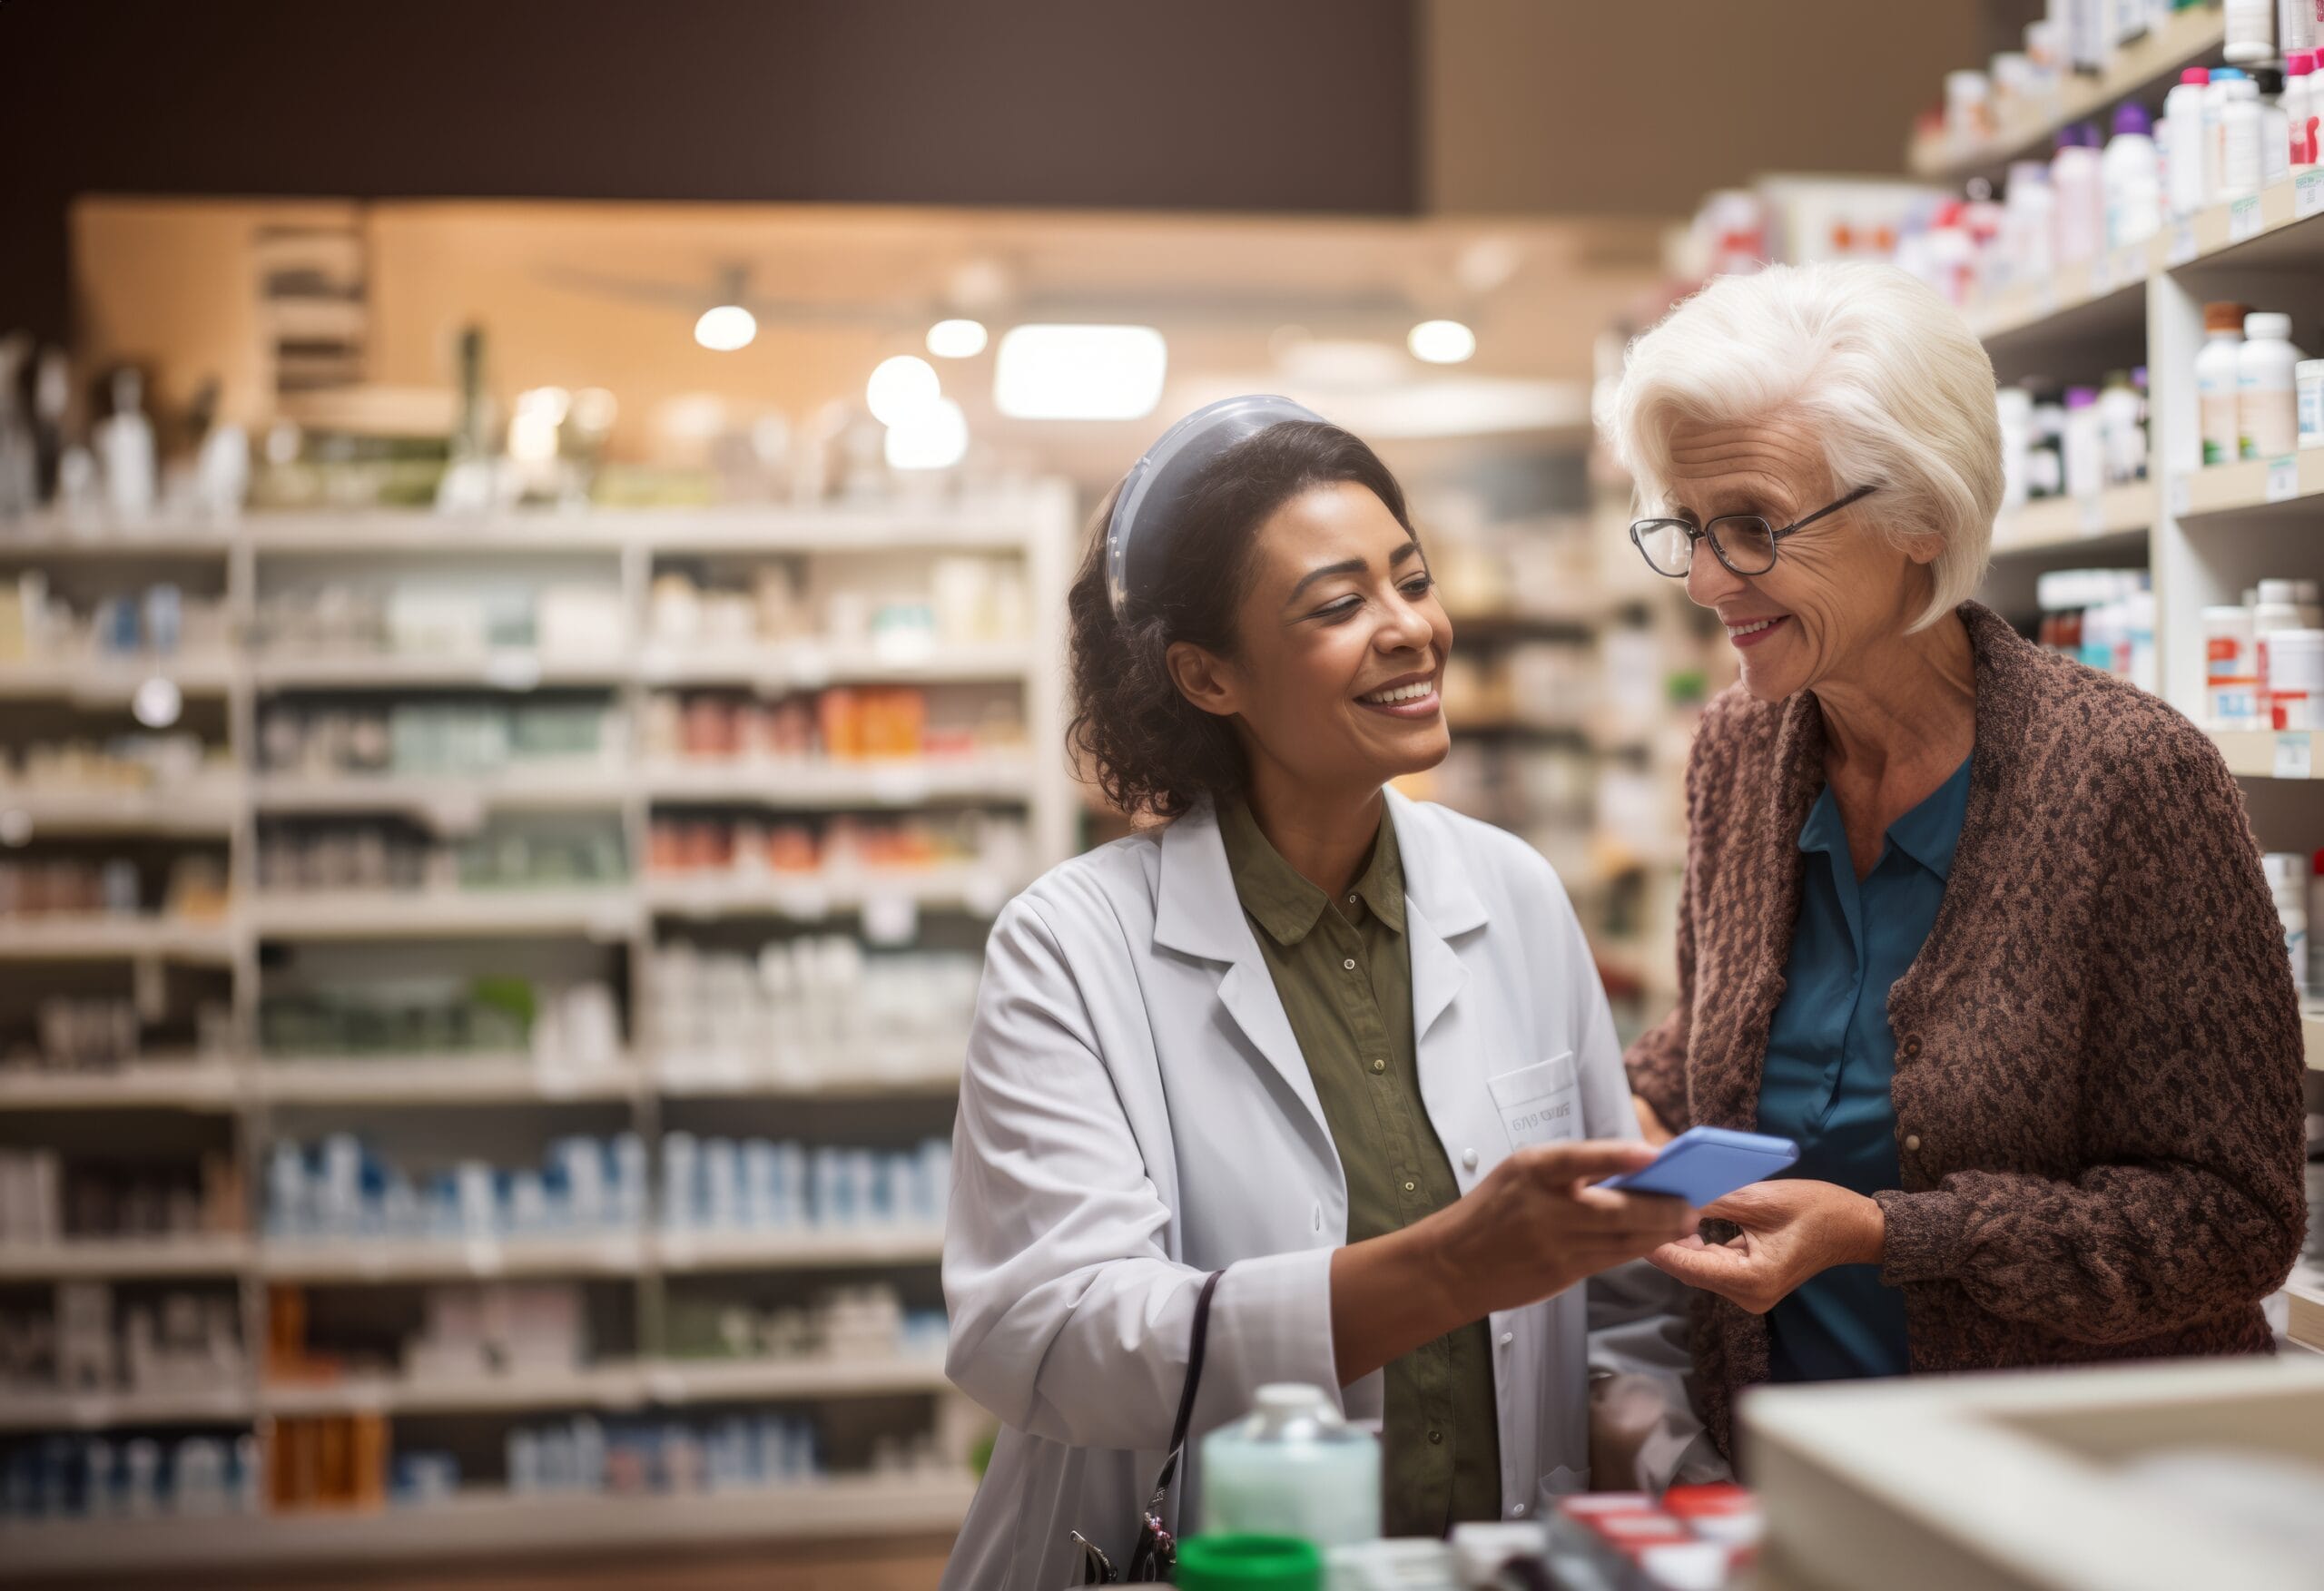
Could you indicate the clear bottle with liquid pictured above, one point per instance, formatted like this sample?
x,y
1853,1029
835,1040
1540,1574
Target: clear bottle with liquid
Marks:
x,y
1292,1466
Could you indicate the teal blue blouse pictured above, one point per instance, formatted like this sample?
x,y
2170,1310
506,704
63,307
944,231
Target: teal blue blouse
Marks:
x,y
1831,1056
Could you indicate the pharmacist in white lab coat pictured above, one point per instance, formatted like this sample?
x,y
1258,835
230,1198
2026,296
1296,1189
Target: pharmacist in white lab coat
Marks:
x,y
1345,1050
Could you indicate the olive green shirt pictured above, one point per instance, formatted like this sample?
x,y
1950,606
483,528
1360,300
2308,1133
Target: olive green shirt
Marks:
x,y
1344,972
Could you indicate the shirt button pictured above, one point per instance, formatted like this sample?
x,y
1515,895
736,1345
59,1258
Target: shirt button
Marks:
x,y
1517,1510
1507,1337
1347,966
1379,1065
1469,1158
1435,1438
1912,1142
1351,900
1409,1186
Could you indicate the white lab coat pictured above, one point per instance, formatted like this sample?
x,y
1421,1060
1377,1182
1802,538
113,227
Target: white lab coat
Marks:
x,y
1136,1112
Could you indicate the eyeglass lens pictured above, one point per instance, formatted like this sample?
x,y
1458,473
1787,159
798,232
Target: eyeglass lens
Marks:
x,y
1748,541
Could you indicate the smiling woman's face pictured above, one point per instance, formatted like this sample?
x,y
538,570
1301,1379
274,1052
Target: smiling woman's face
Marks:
x,y
1838,590
1341,647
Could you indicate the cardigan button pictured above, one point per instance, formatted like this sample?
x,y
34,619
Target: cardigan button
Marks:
x,y
1912,1048
1913,1142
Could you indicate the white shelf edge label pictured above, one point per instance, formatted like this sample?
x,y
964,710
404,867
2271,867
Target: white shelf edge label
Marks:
x,y
2092,512
2243,219
2293,755
2308,192
2283,478
2183,249
2178,497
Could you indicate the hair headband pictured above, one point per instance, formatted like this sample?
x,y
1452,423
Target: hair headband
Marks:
x,y
1157,484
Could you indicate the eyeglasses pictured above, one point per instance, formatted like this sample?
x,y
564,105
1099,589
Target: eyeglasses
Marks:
x,y
1745,543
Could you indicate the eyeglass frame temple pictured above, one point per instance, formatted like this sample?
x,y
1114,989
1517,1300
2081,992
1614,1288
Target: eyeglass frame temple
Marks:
x,y
1698,532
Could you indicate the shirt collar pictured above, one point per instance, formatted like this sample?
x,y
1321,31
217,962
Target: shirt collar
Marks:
x,y
1929,834
1286,905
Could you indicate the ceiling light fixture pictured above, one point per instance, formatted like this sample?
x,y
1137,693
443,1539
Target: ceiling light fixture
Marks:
x,y
726,329
1442,342
934,436
1079,372
956,339
901,388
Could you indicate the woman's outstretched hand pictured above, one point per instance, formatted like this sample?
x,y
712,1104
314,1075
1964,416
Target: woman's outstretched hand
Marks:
x,y
1532,1228
1791,1231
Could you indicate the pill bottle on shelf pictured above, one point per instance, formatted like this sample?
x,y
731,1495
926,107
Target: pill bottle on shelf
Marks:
x,y
2215,381
2267,407
2230,669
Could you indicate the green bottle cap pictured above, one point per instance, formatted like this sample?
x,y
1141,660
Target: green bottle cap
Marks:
x,y
1249,1563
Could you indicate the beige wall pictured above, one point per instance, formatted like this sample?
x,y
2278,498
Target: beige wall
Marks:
x,y
1639,107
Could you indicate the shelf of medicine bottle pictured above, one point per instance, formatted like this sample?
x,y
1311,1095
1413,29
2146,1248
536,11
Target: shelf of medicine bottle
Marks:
x,y
54,535
2259,753
617,1386
63,1411
450,803
490,1523
511,912
802,1249
2255,487
514,669
2098,297
821,785
152,1084
102,937
872,1069
110,682
813,897
2281,228
377,1260
2304,1324
2064,522
2189,37
440,1079
811,665
205,809
2312,1033
191,1254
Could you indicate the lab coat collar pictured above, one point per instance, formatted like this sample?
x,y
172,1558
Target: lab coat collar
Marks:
x,y
1198,913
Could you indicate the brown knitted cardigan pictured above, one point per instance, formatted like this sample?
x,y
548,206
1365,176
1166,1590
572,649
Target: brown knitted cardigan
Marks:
x,y
2098,1089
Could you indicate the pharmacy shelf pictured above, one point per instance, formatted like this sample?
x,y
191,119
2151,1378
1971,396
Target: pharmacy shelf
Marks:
x,y
811,665
713,1381
873,1069
515,669
152,1084
445,1079
2282,226
96,937
192,1255
110,682
2102,296
2066,521
58,1411
2282,487
1002,523
810,1249
609,1386
603,914
491,1524
2270,754
206,809
2190,38
813,897
52,536
390,1259
448,803
816,786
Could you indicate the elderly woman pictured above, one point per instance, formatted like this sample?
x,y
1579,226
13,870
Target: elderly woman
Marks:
x,y
1983,931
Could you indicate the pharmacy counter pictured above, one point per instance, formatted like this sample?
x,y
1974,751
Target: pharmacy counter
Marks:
x,y
2050,1479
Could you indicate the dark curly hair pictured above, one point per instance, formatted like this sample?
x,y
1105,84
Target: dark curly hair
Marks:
x,y
1132,733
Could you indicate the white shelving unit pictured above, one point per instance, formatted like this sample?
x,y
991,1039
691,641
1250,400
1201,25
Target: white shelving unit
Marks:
x,y
259,1096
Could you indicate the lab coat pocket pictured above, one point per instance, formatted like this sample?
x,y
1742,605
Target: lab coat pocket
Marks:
x,y
1539,1104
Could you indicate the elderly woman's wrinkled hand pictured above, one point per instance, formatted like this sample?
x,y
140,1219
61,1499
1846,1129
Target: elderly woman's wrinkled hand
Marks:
x,y
1790,1232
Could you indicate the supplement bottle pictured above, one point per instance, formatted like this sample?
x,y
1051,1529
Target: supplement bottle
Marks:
x,y
1293,1466
2300,108
2215,380
2275,608
2267,403
2133,179
2230,670
2241,167
2121,425
2295,25
2275,127
2183,109
2308,378
2250,30
2075,174
2085,444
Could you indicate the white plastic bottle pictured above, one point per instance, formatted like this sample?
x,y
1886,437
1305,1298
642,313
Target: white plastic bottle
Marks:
x,y
2075,174
2301,108
2122,425
124,442
2029,222
2241,129
2295,25
2182,109
2215,382
1293,1466
2275,128
2275,607
2085,445
2013,405
2132,181
2216,94
2267,396
2250,30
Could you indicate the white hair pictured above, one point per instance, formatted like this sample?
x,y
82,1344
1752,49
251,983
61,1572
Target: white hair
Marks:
x,y
1882,371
